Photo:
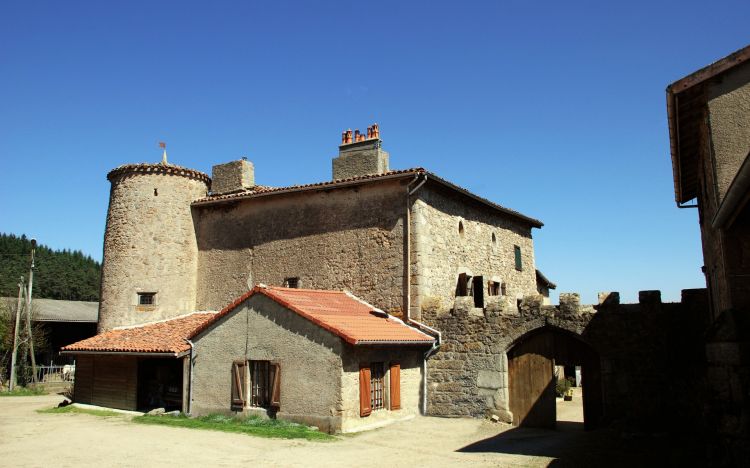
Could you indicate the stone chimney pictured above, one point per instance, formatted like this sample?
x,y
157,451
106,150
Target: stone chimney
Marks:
x,y
235,176
360,155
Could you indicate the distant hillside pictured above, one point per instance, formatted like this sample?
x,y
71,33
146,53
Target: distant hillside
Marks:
x,y
59,274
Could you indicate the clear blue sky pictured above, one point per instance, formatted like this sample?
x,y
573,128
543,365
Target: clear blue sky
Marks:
x,y
554,109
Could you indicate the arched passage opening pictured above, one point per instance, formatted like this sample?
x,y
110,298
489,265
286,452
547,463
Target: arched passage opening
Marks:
x,y
531,376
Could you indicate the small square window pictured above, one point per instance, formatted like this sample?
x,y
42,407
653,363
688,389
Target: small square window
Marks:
x,y
146,299
292,282
493,288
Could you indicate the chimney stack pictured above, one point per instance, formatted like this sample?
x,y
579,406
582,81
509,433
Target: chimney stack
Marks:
x,y
360,155
231,177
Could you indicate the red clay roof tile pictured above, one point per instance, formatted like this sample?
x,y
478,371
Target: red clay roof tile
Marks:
x,y
168,336
355,321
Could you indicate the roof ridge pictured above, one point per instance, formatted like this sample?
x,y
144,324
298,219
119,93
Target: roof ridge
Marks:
x,y
155,322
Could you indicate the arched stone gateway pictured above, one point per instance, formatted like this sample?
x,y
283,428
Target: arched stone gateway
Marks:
x,y
639,360
531,379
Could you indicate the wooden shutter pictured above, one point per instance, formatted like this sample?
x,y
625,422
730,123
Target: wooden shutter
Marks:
x,y
239,385
395,386
276,386
365,408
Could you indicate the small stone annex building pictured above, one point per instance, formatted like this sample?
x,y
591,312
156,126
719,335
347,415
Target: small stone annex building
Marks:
x,y
323,358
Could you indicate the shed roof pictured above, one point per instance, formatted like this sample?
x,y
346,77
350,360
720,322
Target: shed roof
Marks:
x,y
164,337
342,314
54,310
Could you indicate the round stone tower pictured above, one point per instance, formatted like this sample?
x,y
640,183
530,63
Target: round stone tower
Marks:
x,y
150,251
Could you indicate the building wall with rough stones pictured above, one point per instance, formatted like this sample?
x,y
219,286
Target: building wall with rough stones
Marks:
x,y
343,239
149,244
650,353
453,235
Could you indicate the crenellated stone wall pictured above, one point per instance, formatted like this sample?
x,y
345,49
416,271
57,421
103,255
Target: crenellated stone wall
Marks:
x,y
650,353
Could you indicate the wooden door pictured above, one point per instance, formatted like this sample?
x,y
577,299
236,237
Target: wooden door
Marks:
x,y
532,383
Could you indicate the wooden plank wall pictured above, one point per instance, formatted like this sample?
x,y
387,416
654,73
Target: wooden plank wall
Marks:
x,y
110,381
84,379
115,382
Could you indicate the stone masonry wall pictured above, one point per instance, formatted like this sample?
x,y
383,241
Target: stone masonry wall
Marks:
x,y
149,246
484,247
651,355
345,239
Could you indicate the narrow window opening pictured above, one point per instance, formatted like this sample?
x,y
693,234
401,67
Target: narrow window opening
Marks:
x,y
146,298
462,285
504,289
292,282
156,192
477,290
494,239
461,228
518,303
261,380
377,375
517,253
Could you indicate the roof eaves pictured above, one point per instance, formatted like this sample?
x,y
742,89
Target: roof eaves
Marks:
x,y
683,84
211,200
531,221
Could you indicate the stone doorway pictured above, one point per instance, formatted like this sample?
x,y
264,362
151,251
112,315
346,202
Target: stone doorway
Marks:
x,y
531,378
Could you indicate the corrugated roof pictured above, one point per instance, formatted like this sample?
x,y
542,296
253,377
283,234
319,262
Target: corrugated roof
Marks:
x,y
54,310
342,314
168,336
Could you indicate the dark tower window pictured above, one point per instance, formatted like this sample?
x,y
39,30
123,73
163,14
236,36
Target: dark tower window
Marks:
x,y
517,252
146,298
477,290
291,282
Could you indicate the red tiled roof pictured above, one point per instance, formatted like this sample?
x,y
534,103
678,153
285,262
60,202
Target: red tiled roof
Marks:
x,y
168,336
355,321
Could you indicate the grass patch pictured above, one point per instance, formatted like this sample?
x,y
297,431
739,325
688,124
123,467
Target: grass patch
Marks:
x,y
251,426
25,391
76,410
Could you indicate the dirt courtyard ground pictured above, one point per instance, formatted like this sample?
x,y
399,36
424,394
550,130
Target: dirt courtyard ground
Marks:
x,y
28,438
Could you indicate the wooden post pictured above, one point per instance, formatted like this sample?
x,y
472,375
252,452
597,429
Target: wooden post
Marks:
x,y
13,378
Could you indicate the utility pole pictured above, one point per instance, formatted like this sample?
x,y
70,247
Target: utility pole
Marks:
x,y
28,312
13,382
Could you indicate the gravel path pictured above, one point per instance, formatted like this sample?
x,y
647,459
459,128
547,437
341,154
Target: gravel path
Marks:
x,y
30,439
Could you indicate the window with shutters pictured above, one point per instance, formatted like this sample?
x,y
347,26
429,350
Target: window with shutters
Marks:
x,y
372,387
265,378
239,385
493,288
256,384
